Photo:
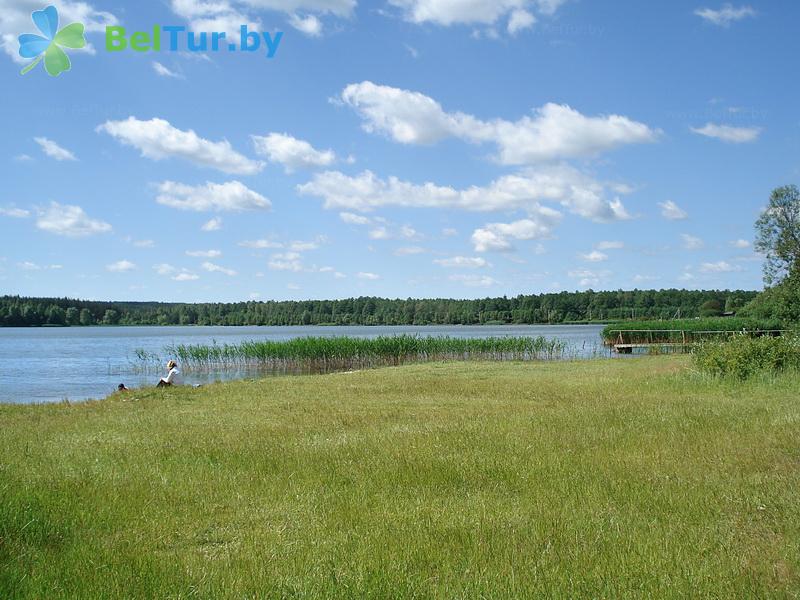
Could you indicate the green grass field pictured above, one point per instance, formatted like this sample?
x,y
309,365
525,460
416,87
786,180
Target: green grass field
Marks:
x,y
600,479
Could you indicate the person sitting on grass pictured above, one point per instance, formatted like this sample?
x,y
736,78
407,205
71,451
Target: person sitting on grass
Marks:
x,y
173,376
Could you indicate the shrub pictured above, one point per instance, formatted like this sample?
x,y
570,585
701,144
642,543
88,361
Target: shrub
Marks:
x,y
745,356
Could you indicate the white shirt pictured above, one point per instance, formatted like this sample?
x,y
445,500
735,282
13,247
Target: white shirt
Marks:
x,y
173,377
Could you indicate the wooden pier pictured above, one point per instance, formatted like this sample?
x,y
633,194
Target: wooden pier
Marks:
x,y
627,341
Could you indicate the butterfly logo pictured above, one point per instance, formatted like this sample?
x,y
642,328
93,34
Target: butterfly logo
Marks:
x,y
48,46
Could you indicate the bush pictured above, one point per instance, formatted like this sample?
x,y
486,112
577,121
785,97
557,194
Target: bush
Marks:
x,y
744,356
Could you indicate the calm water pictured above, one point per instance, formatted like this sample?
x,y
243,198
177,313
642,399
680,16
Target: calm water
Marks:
x,y
77,363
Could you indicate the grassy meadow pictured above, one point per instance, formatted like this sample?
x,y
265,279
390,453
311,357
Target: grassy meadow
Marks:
x,y
600,479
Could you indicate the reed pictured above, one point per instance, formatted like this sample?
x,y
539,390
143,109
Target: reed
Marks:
x,y
324,354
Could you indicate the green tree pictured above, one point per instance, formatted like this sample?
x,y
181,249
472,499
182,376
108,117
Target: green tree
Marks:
x,y
778,234
86,317
73,316
110,317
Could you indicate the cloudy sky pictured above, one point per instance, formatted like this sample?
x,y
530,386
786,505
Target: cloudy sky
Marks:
x,y
457,148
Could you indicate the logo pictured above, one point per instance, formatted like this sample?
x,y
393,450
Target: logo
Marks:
x,y
178,39
48,46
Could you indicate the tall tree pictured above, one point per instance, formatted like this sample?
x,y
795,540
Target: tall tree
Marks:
x,y
778,234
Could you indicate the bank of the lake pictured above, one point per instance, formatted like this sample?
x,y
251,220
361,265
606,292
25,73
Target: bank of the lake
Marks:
x,y
603,478
77,363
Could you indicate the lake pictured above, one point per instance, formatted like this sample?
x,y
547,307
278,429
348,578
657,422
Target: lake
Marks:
x,y
78,363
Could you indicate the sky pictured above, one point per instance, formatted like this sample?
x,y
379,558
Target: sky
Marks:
x,y
396,148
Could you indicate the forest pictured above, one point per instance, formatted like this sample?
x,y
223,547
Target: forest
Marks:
x,y
562,307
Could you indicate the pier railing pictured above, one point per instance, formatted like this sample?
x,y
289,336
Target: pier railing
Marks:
x,y
626,340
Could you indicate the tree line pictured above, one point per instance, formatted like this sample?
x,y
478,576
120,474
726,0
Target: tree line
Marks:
x,y
562,307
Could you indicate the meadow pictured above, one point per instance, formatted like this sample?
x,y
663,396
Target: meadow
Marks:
x,y
634,478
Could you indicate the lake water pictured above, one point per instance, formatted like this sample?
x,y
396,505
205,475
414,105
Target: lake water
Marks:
x,y
78,363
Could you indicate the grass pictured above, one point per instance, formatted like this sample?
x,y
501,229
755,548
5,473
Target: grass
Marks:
x,y
341,352
696,329
599,479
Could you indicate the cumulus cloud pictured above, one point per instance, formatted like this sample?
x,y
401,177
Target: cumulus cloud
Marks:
x,y
587,278
214,224
476,12
474,280
610,245
232,196
310,24
53,150
691,242
726,15
16,19
14,212
228,15
164,71
157,139
498,237
121,266
368,276
524,191
69,221
671,211
741,244
719,267
462,262
291,152
286,261
215,268
729,133
204,253
594,256
554,131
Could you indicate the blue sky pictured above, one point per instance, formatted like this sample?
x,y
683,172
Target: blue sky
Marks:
x,y
425,148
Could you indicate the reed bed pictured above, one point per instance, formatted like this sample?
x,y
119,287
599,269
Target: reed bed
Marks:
x,y
325,354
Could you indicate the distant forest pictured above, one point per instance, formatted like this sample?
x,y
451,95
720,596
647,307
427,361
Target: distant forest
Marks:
x,y
563,307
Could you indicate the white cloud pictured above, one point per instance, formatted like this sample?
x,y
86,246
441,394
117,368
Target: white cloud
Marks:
x,y
232,196
587,278
523,191
228,15
671,211
214,224
409,250
164,71
16,19
449,232
644,278
23,158
354,219
164,269
144,243
291,152
726,15
186,276
520,20
368,276
719,267
215,268
554,132
610,245
497,236
691,242
16,213
462,262
157,139
260,244
742,244
474,280
53,150
476,12
310,24
204,253
121,266
286,261
70,221
728,133
32,266
594,256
